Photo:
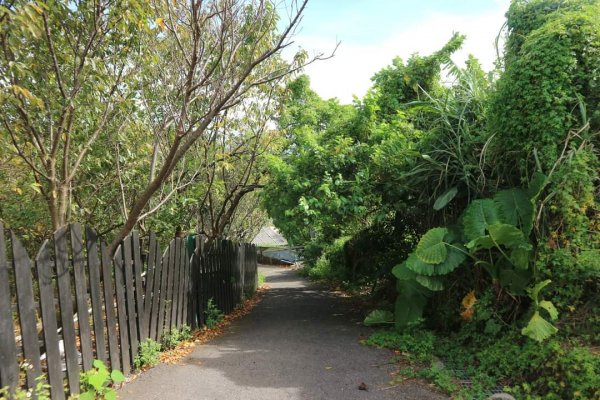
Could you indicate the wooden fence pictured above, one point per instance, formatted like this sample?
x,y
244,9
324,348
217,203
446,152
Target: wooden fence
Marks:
x,y
74,303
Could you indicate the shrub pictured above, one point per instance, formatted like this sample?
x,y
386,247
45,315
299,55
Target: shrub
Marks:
x,y
148,354
41,391
170,339
213,314
331,264
96,383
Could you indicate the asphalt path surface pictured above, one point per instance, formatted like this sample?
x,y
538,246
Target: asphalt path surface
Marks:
x,y
300,342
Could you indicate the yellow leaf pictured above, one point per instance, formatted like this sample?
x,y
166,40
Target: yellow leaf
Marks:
x,y
36,187
468,303
19,90
17,190
160,22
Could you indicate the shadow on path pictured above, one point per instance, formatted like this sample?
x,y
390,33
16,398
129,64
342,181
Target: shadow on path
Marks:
x,y
300,342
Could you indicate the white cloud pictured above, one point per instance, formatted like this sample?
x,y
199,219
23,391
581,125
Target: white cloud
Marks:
x,y
349,72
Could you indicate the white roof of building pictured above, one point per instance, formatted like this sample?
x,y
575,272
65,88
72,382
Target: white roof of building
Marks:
x,y
269,236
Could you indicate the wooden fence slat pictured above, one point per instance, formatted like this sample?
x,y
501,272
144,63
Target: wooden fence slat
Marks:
x,y
93,262
220,275
196,309
130,297
27,309
225,276
150,271
45,275
66,308
83,316
231,281
215,276
9,370
156,293
121,310
176,273
138,266
109,308
160,327
193,294
186,289
182,271
169,298
201,281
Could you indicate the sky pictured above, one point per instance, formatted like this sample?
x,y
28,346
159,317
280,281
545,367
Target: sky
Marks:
x,y
372,32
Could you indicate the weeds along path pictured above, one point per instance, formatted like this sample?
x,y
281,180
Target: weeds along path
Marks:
x,y
300,342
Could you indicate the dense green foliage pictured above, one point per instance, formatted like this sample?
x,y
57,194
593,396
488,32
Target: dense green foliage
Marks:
x,y
170,339
97,382
557,370
469,206
148,354
107,121
212,314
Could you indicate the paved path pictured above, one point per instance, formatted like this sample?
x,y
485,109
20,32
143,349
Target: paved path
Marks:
x,y
300,342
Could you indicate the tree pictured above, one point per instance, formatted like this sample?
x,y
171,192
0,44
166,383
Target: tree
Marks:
x,y
65,74
219,52
157,74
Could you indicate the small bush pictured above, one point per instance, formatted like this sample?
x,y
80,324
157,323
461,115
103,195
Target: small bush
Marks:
x,y
96,383
213,314
170,339
148,354
41,391
331,264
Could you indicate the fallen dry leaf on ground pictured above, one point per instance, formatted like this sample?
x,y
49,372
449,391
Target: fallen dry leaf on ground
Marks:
x,y
204,335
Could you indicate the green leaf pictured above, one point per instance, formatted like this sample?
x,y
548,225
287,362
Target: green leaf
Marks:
x,y
548,306
117,376
536,185
478,216
98,379
445,198
500,235
483,242
402,272
377,317
89,395
454,258
414,264
99,364
409,305
507,235
431,248
534,292
432,283
515,208
515,280
110,394
519,256
538,328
